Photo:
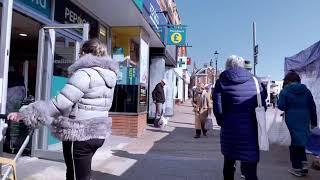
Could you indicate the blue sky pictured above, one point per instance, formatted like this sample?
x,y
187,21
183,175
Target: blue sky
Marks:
x,y
284,27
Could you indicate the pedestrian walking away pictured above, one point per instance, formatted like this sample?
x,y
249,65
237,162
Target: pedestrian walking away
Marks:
x,y
234,103
300,111
159,99
78,115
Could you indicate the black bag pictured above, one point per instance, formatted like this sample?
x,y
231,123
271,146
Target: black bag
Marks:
x,y
17,133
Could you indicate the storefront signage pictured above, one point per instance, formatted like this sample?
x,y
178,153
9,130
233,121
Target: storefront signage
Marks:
x,y
182,62
41,6
132,76
139,4
176,36
68,13
153,13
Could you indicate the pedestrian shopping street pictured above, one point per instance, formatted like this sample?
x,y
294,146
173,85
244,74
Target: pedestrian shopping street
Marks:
x,y
167,154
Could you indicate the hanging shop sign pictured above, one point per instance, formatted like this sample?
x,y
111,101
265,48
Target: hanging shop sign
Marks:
x,y
41,6
182,62
189,61
176,36
68,13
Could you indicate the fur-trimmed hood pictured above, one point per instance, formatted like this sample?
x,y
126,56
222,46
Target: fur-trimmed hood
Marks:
x,y
89,61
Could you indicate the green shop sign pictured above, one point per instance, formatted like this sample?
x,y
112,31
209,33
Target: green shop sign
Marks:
x,y
139,4
41,6
176,36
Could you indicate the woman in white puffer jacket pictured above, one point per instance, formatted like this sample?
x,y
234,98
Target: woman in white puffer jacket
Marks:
x,y
78,115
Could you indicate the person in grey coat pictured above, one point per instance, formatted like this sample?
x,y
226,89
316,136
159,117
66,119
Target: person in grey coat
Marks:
x,y
78,115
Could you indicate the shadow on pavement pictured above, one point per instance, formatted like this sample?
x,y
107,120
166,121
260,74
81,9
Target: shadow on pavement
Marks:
x,y
175,156
179,156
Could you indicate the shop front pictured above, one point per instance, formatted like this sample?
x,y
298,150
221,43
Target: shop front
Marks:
x,y
38,44
130,47
132,37
162,60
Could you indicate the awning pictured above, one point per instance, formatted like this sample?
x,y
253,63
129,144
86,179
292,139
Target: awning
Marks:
x,y
118,13
303,58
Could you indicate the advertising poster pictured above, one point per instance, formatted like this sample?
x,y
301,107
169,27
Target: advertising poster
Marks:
x,y
144,59
118,54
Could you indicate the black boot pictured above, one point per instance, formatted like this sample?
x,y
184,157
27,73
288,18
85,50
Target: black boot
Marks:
x,y
198,133
204,132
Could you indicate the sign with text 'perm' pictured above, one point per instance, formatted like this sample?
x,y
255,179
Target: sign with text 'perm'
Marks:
x,y
176,36
68,13
41,6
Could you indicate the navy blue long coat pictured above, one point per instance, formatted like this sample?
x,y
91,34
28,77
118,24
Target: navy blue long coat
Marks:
x,y
297,102
235,100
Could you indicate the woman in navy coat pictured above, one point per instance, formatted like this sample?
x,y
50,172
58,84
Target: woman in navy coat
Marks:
x,y
235,100
299,108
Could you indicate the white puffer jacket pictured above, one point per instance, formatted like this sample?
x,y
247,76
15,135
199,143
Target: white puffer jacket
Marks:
x,y
80,111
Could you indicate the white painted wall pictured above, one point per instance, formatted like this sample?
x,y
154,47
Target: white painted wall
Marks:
x,y
169,91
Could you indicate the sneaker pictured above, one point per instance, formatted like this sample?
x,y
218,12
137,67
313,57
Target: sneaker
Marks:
x,y
242,176
296,172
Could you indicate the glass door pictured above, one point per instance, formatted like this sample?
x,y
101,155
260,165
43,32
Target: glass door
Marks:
x,y
57,50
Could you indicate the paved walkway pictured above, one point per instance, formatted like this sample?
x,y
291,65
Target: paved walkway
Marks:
x,y
165,154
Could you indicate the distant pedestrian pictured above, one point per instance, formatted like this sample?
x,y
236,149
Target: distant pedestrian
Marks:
x,y
274,99
299,109
159,99
197,100
205,111
235,100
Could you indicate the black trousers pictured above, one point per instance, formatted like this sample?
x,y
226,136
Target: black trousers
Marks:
x,y
78,156
297,156
248,169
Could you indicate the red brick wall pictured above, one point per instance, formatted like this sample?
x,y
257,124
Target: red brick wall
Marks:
x,y
128,125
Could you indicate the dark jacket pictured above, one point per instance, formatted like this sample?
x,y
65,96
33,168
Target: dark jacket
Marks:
x,y
158,94
234,102
300,110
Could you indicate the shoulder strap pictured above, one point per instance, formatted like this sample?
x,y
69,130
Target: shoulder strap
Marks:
x,y
101,75
258,91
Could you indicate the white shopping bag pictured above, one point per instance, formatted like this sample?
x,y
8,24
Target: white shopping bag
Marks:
x,y
261,121
208,124
278,132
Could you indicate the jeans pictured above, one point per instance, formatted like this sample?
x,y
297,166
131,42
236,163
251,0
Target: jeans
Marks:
x,y
297,156
249,169
78,156
159,110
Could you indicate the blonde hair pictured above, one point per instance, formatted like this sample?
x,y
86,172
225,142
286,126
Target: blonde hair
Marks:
x,y
94,47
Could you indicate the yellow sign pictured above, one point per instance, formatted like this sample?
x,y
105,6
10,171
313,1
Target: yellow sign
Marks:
x,y
176,37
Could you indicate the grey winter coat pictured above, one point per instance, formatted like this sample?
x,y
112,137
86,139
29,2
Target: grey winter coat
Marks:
x,y
80,111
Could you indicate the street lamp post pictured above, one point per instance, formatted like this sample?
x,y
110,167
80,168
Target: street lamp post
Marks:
x,y
216,54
